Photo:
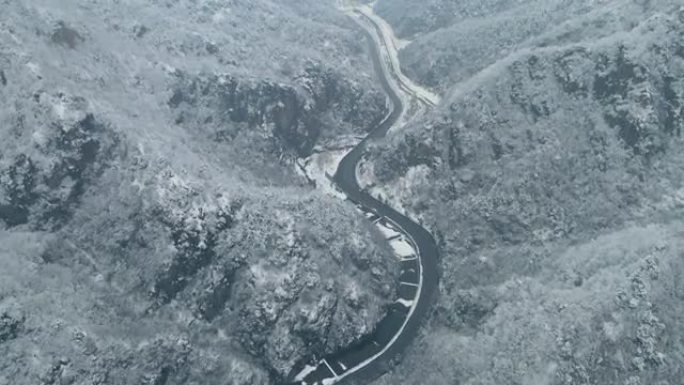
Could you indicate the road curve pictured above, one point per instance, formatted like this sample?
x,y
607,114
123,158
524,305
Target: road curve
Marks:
x,y
418,282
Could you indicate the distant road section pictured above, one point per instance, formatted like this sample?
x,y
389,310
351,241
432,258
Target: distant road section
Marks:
x,y
383,36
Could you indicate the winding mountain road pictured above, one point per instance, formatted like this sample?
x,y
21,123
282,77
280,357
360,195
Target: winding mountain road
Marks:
x,y
415,247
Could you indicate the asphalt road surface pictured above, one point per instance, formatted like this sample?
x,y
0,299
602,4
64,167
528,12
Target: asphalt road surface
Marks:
x,y
418,282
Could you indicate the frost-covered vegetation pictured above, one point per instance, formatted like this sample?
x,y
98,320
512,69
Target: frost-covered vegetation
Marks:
x,y
152,228
451,41
552,175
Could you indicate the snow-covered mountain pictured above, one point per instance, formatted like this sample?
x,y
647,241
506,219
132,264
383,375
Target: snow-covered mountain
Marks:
x,y
552,172
159,222
152,227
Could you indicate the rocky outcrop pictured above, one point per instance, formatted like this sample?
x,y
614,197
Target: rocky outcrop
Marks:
x,y
66,36
318,103
268,281
45,176
643,107
292,303
10,325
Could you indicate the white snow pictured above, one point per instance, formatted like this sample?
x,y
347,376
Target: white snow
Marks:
x,y
392,45
386,231
402,248
34,68
320,168
397,193
261,276
365,174
305,372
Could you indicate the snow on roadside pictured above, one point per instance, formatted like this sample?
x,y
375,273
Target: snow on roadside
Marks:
x,y
404,302
319,168
392,47
365,174
387,232
402,248
398,193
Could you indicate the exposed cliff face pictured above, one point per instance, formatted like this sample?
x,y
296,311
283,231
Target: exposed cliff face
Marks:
x,y
290,117
45,172
553,181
